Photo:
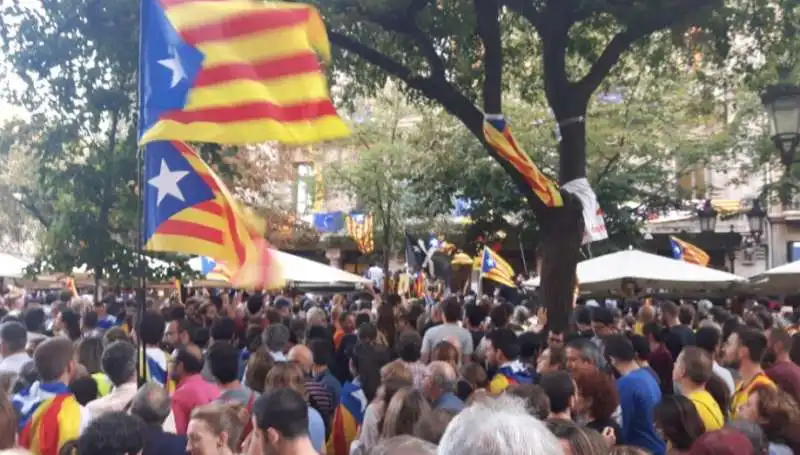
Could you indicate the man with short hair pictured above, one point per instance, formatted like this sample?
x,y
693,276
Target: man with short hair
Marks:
x,y
276,337
440,385
318,395
151,331
281,424
192,390
49,400
178,334
13,339
680,334
321,353
223,363
660,358
560,390
152,404
583,352
119,365
502,351
785,373
638,395
745,350
710,339
451,329
408,347
692,371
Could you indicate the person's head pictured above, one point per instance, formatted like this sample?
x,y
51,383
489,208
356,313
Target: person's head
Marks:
x,y
498,426
603,322
152,328
115,334
214,429
55,360
753,432
745,346
669,313
276,337
316,317
619,351
597,397
284,306
188,361
641,347
34,318
152,404
119,362
301,356
686,314
280,421
446,351
406,407
582,352
84,389
178,333
451,309
693,365
13,338
551,359
646,314
89,354
476,315
408,346
725,441
223,329
403,445
347,322
678,422
560,390
555,339
365,365
70,323
258,366
112,433
779,343
223,360
287,375
321,351
440,379
577,440
431,425
709,339
535,397
502,346
775,411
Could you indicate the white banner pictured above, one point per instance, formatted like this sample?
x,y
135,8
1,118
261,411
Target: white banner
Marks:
x,y
595,227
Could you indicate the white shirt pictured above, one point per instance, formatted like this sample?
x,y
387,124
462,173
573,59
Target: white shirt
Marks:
x,y
725,375
375,274
117,400
14,362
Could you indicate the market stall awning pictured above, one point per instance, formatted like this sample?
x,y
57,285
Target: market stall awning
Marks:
x,y
11,266
608,272
784,278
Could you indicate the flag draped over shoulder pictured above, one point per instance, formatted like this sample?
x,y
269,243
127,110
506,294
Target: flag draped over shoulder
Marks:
x,y
49,417
495,268
360,227
684,250
189,210
234,72
499,137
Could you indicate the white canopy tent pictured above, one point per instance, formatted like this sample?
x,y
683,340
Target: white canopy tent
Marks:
x,y
607,273
11,267
784,278
299,270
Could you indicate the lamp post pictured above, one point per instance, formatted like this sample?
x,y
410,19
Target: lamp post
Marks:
x,y
708,217
755,219
782,103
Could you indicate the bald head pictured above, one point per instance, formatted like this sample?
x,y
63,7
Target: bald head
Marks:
x,y
647,314
152,404
443,375
301,356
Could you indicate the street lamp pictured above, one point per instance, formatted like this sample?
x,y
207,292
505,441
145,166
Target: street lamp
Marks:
x,y
755,218
708,217
782,103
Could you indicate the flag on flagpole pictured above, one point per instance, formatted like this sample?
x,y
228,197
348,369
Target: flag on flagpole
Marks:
x,y
360,227
495,268
189,210
684,250
234,72
499,137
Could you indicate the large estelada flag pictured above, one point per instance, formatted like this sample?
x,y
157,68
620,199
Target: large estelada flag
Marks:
x,y
497,269
361,226
189,210
684,250
234,72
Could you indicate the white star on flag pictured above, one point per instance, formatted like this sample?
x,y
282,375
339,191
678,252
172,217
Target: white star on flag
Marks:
x,y
166,182
174,64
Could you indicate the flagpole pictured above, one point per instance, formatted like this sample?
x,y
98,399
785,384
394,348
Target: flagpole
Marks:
x,y
140,212
480,275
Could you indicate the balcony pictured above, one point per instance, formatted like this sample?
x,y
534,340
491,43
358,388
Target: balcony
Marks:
x,y
791,212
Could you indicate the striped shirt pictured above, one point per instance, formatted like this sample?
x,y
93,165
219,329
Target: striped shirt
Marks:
x,y
320,398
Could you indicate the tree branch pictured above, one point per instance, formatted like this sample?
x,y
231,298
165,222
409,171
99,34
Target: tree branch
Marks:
x,y
526,9
487,12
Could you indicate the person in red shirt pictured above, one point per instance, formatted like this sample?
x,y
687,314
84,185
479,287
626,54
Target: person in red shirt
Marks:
x,y
660,358
784,373
192,390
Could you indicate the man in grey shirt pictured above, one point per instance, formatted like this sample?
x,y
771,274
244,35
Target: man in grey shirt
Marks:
x,y
450,331
223,360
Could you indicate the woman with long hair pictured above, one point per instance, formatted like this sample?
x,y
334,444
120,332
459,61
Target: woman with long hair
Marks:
x,y
597,401
88,353
394,376
387,331
405,409
215,429
677,420
777,413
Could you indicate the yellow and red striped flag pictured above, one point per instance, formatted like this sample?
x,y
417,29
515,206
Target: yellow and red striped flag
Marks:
x,y
360,227
189,210
684,250
56,421
235,72
497,269
498,136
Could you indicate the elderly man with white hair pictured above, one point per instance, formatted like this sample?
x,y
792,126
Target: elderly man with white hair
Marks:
x,y
498,426
439,385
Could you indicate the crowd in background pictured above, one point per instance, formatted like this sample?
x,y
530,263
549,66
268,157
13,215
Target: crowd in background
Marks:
x,y
372,374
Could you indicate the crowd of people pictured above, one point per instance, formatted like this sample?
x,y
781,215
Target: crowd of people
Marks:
x,y
383,375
